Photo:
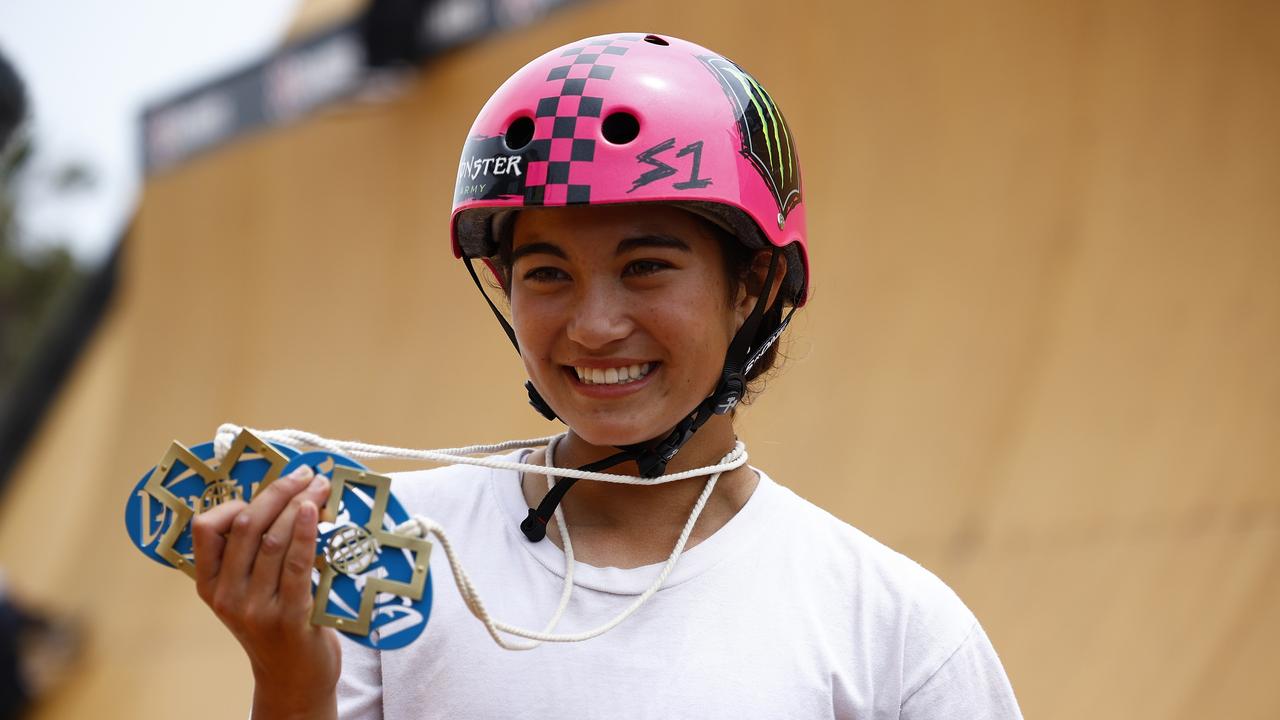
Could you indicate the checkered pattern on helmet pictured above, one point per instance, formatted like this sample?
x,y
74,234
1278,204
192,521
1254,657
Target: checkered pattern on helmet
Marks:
x,y
567,123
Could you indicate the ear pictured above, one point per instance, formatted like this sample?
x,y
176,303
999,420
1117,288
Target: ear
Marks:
x,y
753,284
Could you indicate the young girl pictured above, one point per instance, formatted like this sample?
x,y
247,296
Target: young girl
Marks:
x,y
639,200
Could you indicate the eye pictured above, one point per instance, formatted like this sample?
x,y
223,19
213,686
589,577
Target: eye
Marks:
x,y
644,267
545,273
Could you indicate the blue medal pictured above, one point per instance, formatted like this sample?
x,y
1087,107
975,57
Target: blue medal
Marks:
x,y
371,583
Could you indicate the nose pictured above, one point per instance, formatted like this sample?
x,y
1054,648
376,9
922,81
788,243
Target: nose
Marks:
x,y
601,316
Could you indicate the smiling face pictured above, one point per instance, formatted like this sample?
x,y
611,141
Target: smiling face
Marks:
x,y
623,315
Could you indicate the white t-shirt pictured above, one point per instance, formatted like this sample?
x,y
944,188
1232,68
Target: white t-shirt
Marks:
x,y
785,612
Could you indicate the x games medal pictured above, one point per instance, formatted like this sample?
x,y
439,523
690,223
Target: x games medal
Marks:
x,y
370,582
158,514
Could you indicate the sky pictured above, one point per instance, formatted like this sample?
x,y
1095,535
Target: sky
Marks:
x,y
90,68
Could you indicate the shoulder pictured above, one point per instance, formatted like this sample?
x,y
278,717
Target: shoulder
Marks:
x,y
883,575
452,487
970,683
891,602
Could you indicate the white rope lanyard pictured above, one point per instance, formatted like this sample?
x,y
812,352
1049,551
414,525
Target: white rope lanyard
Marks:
x,y
227,432
423,526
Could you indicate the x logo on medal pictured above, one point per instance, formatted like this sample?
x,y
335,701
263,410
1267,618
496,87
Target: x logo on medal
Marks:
x,y
364,569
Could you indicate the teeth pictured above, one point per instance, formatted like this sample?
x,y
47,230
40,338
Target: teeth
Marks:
x,y
613,376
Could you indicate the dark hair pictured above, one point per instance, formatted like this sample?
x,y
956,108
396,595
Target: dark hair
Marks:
x,y
738,261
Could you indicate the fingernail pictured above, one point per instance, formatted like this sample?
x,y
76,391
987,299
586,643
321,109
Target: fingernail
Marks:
x,y
319,483
302,472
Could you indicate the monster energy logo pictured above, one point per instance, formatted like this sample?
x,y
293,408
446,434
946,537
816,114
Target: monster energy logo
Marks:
x,y
766,139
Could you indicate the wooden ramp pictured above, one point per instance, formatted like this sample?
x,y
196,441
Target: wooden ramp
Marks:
x,y
1041,356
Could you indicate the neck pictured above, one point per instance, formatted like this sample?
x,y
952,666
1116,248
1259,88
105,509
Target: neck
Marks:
x,y
632,525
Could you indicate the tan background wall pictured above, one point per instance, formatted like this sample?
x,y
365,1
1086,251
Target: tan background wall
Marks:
x,y
1040,356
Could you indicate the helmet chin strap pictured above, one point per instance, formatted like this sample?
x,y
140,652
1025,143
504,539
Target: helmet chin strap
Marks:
x,y
651,457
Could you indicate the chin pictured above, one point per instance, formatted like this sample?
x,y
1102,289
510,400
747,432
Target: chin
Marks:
x,y
618,432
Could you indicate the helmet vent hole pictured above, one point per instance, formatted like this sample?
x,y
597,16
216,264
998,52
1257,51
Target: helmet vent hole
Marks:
x,y
620,128
519,134
655,40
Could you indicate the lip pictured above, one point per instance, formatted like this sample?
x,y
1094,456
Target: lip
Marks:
x,y
609,392
606,363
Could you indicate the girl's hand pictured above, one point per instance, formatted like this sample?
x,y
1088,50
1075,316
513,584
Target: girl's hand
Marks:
x,y
253,568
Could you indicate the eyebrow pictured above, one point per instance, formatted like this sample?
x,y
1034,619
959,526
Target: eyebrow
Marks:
x,y
537,247
651,241
625,246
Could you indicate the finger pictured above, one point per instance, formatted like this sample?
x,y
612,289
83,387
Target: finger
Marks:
x,y
248,526
295,577
264,579
208,536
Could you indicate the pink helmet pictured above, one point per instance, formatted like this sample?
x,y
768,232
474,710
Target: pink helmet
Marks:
x,y
635,118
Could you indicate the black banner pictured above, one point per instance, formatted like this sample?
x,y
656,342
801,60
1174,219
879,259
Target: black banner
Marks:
x,y
320,70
